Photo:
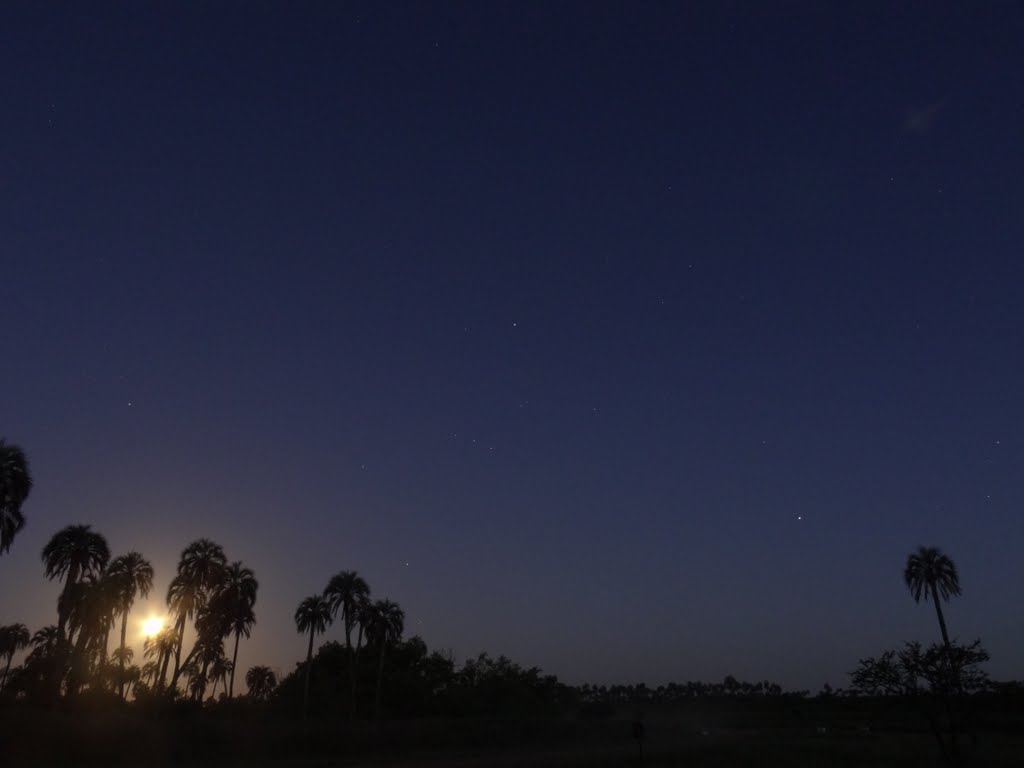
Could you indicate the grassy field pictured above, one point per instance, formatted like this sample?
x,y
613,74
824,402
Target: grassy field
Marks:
x,y
695,736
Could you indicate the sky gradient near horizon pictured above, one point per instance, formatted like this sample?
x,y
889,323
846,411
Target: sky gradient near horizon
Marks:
x,y
637,342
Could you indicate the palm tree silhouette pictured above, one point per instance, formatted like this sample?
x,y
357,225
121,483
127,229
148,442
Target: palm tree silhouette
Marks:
x,y
131,574
930,572
314,616
236,597
73,553
386,622
347,592
13,637
15,486
199,571
90,615
261,681
220,668
159,647
212,627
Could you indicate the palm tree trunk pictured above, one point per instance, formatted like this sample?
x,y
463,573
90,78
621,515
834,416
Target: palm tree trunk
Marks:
x,y
351,668
77,660
124,629
62,604
164,662
172,686
309,668
234,661
213,691
942,620
203,680
355,664
380,677
179,627
103,648
7,669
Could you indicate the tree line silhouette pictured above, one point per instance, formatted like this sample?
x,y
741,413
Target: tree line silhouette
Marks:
x,y
376,670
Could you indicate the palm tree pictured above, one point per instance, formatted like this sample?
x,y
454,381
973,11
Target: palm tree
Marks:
x,y
13,637
220,668
132,574
132,675
199,570
159,647
236,597
930,572
149,671
73,553
261,681
347,592
386,622
15,486
314,616
123,655
90,611
212,627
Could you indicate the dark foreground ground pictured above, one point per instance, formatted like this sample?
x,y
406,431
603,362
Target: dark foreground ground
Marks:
x,y
693,736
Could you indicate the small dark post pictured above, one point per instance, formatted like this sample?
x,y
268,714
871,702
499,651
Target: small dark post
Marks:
x,y
638,734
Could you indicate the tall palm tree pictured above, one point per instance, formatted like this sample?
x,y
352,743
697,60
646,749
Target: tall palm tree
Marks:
x,y
930,572
261,681
386,622
73,553
347,592
132,575
13,637
15,486
236,597
199,570
314,616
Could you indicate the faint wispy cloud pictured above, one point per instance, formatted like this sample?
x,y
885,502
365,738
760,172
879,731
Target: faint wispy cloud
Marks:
x,y
920,119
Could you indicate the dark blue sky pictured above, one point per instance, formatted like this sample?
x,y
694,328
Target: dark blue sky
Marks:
x,y
637,342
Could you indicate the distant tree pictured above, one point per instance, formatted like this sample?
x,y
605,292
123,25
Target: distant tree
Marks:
x,y
132,575
261,681
46,665
931,573
15,486
314,616
160,647
131,676
73,553
348,593
235,598
212,627
934,678
220,668
386,622
13,637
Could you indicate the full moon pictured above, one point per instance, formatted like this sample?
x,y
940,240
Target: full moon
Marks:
x,y
152,626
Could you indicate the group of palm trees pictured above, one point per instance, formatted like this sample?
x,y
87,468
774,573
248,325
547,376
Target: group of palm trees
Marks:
x,y
98,593
382,622
215,597
218,598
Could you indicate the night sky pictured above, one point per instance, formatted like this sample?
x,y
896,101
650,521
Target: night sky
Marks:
x,y
637,342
